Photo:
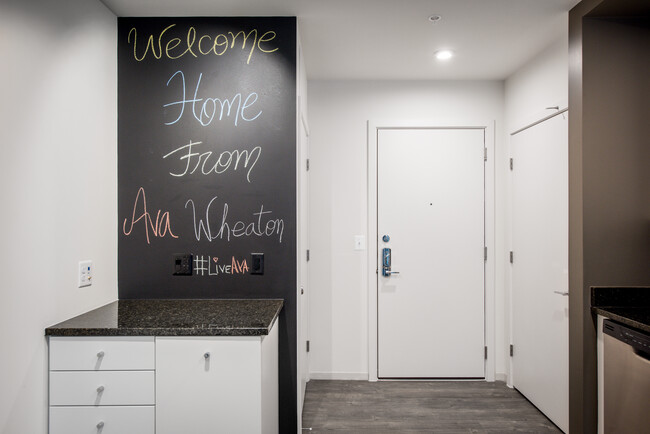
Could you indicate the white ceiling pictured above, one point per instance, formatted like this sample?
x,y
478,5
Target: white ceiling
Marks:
x,y
393,39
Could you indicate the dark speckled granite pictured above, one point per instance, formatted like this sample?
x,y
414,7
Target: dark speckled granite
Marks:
x,y
174,318
627,305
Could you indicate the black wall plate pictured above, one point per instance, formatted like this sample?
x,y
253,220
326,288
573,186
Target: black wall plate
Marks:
x,y
183,264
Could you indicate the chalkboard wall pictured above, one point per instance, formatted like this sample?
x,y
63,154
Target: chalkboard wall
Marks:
x,y
207,164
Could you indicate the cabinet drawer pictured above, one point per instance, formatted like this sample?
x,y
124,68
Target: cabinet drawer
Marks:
x,y
102,388
102,353
88,420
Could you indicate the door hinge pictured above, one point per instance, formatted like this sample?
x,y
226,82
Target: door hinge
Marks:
x,y
484,154
512,350
485,353
512,257
511,164
307,164
307,255
485,253
307,346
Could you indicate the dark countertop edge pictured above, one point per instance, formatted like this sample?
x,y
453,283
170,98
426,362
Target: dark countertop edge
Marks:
x,y
78,332
620,296
604,311
167,331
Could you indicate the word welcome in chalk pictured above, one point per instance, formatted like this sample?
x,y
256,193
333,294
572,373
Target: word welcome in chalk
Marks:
x,y
174,48
160,228
210,266
208,165
261,226
210,107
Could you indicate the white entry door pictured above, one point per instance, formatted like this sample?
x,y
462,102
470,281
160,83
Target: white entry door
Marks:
x,y
540,267
430,209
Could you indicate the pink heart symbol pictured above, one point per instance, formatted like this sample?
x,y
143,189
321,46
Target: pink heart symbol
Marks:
x,y
215,259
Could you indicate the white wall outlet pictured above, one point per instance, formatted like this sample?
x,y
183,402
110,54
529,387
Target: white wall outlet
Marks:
x,y
85,273
359,242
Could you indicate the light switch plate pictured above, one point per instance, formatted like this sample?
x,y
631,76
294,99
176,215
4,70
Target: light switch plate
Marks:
x,y
359,242
85,273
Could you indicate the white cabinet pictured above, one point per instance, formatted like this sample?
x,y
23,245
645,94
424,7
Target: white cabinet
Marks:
x,y
217,384
164,385
102,385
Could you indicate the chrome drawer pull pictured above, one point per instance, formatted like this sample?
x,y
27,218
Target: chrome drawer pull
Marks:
x,y
206,355
100,354
100,389
100,425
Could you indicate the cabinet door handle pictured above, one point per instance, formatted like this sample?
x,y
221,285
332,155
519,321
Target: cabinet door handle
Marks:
x,y
100,389
100,425
100,354
207,355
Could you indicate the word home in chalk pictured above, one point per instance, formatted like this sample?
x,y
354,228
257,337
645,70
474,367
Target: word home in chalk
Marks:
x,y
210,107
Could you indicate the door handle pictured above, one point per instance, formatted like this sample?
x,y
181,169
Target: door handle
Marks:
x,y
386,261
561,292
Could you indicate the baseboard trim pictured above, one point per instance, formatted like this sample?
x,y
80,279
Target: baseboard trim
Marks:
x,y
363,376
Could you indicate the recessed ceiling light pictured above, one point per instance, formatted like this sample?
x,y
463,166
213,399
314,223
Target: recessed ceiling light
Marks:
x,y
444,54
435,18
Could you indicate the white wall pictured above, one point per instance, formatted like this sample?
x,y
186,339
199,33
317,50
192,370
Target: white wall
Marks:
x,y
58,185
339,111
542,82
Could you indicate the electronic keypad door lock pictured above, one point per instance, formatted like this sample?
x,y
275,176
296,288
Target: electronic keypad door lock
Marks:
x,y
385,262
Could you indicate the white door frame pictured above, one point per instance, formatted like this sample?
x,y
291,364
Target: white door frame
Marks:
x,y
302,244
302,241
490,337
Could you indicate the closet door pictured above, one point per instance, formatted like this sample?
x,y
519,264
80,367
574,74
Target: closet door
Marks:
x,y
540,267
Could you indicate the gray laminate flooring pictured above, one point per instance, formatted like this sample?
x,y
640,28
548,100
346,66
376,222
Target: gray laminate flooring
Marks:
x,y
419,406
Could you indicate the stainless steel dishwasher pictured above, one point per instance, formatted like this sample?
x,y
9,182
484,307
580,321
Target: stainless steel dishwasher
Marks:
x,y
627,379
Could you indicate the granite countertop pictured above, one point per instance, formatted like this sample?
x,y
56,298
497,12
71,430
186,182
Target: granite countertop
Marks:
x,y
626,305
174,318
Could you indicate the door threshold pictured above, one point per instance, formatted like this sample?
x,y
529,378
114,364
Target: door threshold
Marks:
x,y
431,378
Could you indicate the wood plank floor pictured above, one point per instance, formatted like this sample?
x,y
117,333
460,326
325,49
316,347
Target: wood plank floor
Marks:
x,y
419,407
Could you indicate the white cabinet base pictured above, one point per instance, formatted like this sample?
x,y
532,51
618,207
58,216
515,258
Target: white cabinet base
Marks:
x,y
164,385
